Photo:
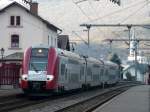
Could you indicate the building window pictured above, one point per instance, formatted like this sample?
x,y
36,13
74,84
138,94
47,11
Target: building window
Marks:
x,y
56,42
48,40
15,20
12,20
51,41
14,41
18,20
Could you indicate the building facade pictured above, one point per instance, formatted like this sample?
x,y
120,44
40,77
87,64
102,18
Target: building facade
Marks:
x,y
21,27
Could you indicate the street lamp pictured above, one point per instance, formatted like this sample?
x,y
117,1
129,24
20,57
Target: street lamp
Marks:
x,y
2,52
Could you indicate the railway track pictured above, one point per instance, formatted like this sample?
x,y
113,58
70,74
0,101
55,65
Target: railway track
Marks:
x,y
16,102
23,103
92,103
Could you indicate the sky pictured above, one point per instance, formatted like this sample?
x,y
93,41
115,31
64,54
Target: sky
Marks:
x,y
68,16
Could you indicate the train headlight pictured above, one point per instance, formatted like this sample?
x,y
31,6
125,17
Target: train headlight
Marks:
x,y
50,77
24,77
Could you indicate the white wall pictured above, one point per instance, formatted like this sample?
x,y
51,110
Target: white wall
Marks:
x,y
32,31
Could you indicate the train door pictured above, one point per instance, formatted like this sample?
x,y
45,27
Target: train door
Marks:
x,y
117,74
101,74
95,74
105,75
74,67
85,71
111,75
89,73
82,73
63,71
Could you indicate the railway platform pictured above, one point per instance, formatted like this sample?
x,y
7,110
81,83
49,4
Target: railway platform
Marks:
x,y
10,92
136,99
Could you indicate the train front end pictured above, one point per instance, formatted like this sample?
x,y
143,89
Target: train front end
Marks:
x,y
39,70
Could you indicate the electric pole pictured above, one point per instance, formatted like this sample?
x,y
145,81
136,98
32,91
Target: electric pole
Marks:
x,y
88,30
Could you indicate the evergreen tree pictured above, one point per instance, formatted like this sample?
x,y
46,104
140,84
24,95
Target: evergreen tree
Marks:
x,y
114,58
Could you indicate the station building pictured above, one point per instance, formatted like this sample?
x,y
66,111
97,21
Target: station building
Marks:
x,y
21,27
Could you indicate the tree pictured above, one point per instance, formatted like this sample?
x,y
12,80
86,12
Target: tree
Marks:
x,y
114,58
129,76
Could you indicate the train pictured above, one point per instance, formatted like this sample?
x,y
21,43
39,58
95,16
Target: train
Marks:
x,y
53,70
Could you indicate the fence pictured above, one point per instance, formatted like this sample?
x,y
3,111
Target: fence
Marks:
x,y
9,74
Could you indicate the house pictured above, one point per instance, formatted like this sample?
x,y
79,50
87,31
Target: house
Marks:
x,y
21,27
137,71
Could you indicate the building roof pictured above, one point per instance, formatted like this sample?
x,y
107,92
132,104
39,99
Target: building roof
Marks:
x,y
142,68
14,56
51,26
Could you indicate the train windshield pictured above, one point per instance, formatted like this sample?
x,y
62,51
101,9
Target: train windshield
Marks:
x,y
39,59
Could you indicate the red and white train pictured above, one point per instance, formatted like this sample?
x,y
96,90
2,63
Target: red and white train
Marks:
x,y
49,69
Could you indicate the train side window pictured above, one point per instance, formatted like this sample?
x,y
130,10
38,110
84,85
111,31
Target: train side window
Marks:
x,y
106,73
66,72
62,69
102,72
81,72
89,72
96,66
73,61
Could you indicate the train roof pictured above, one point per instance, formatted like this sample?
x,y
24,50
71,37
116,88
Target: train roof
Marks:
x,y
110,63
41,46
62,52
68,53
77,56
95,60
58,50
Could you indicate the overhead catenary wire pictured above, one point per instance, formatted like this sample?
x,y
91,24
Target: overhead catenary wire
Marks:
x,y
81,10
90,18
97,14
115,12
35,25
148,7
93,8
118,11
71,32
65,30
84,13
85,16
68,31
94,12
135,11
79,37
132,14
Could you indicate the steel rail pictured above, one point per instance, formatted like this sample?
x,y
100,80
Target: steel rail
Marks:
x,y
22,103
92,103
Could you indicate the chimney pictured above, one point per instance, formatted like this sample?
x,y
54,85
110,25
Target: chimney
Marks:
x,y
34,8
